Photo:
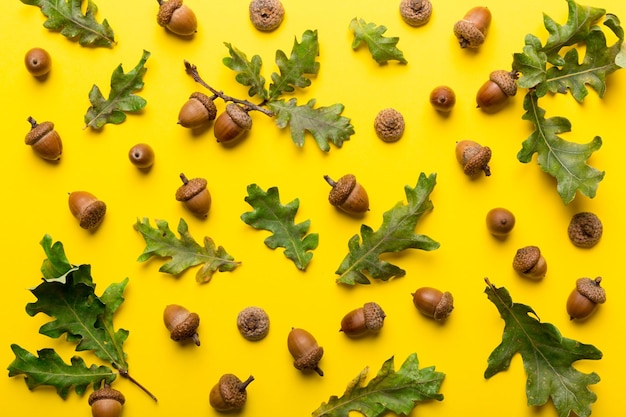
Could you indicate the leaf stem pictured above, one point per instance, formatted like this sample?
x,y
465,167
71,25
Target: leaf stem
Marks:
x,y
193,71
125,374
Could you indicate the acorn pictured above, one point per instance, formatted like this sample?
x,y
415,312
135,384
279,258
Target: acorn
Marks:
x,y
305,351
416,12
197,111
442,98
194,195
181,323
585,229
473,157
493,94
389,125
472,29
38,62
87,209
530,263
253,323
266,15
229,394
44,140
106,402
141,155
348,195
232,123
363,320
584,299
500,221
433,303
177,17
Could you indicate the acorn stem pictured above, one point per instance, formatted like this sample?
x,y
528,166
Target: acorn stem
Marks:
x,y
160,2
330,181
244,384
319,371
126,375
193,72
33,122
184,178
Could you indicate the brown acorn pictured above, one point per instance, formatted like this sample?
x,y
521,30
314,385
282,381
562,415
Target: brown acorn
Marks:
x,y
416,12
106,402
141,155
363,320
177,17
266,15
585,229
87,209
584,299
433,303
38,62
530,263
194,195
442,98
305,350
472,29
229,394
232,123
500,221
197,111
44,140
181,323
348,195
389,125
473,157
492,95
253,323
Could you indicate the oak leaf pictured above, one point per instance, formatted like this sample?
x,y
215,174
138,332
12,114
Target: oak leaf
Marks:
x,y
382,48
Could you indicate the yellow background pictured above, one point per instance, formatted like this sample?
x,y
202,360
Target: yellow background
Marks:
x,y
181,376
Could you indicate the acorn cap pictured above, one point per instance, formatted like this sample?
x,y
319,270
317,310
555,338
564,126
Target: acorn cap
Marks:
x,y
389,125
341,189
266,15
166,10
207,102
239,116
190,189
505,80
476,160
253,323
374,316
106,393
186,329
468,34
591,289
444,307
310,360
38,131
92,215
416,12
230,388
585,229
526,258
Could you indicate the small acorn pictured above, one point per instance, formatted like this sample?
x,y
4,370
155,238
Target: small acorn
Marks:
x,y
253,323
584,299
177,17
416,12
500,221
106,402
442,98
181,323
473,157
197,111
433,303
389,125
194,195
44,140
38,62
266,15
87,209
363,320
472,29
348,195
229,394
492,95
305,350
141,155
585,229
232,123
530,263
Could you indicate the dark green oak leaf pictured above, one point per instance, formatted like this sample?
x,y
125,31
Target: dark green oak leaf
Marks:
x,y
566,161
325,123
382,48
48,369
547,358
67,17
396,234
248,71
269,214
390,391
121,98
184,252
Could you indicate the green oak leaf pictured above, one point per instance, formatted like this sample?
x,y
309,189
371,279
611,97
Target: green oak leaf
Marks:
x,y
566,161
325,123
382,48
248,71
390,391
56,265
547,358
396,234
121,98
294,68
67,17
184,252
47,368
269,214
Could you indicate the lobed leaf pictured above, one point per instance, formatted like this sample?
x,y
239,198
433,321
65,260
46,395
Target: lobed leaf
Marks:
x,y
184,252
48,369
325,123
269,214
66,16
566,161
397,233
121,98
382,49
390,391
248,72
547,358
